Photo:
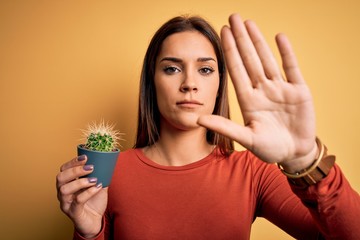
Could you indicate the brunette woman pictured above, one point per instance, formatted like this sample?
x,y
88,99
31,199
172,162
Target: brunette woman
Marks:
x,y
184,180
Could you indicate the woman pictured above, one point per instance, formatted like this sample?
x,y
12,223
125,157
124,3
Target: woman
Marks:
x,y
183,180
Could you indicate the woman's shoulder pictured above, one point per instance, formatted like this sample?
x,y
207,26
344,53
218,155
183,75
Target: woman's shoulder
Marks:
x,y
248,160
129,153
245,156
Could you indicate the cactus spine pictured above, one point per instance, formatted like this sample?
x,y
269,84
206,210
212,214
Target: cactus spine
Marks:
x,y
101,137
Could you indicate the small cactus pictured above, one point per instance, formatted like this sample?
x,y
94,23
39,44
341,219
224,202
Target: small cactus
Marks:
x,y
101,137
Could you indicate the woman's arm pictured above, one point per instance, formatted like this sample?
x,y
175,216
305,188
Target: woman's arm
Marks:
x,y
279,127
334,205
329,208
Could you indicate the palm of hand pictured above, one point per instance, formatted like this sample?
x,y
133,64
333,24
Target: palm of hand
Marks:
x,y
279,119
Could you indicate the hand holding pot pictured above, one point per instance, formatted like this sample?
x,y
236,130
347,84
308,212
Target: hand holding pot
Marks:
x,y
83,200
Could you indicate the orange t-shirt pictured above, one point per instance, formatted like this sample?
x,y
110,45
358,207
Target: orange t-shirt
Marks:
x,y
219,197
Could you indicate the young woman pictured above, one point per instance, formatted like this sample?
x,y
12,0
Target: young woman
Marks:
x,y
183,179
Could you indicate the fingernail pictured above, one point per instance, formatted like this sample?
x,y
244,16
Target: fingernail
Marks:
x,y
99,185
81,158
88,167
92,180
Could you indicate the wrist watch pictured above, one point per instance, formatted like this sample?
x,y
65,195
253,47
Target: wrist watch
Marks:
x,y
316,172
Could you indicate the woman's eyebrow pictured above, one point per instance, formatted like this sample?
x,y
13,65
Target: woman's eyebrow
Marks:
x,y
178,60
171,59
206,59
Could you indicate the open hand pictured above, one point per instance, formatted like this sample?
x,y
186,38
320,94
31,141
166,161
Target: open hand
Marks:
x,y
278,113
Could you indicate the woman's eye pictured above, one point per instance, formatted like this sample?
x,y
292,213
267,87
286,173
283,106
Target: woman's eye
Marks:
x,y
206,70
171,70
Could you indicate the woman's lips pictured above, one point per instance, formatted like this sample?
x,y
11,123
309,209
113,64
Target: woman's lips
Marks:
x,y
189,103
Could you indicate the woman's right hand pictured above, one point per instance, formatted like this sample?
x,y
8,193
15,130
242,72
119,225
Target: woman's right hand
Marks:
x,y
83,200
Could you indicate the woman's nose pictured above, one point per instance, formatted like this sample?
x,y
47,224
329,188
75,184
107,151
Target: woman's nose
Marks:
x,y
189,84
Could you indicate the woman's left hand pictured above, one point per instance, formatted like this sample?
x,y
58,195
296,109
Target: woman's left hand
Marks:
x,y
278,113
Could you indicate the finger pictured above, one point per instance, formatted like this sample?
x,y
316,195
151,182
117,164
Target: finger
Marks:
x,y
77,161
79,200
71,174
67,191
84,196
228,128
265,54
290,65
247,50
76,186
234,63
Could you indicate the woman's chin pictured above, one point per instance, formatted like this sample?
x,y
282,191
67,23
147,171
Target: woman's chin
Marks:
x,y
187,122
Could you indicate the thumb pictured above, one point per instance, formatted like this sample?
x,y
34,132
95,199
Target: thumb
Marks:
x,y
242,135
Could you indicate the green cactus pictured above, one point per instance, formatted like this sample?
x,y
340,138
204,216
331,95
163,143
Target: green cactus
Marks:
x,y
101,137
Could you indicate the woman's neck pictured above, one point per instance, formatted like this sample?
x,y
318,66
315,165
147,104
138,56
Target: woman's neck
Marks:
x,y
178,148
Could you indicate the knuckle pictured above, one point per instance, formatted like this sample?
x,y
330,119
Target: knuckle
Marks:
x,y
64,190
63,207
59,178
62,167
79,199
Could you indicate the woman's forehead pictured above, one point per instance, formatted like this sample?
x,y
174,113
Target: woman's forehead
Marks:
x,y
188,44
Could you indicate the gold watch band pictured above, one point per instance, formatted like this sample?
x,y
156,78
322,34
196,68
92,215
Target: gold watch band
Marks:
x,y
316,172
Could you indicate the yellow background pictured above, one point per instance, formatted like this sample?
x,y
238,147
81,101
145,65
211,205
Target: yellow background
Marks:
x,y
66,63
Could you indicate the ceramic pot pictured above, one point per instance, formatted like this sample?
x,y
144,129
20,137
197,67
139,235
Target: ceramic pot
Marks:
x,y
104,163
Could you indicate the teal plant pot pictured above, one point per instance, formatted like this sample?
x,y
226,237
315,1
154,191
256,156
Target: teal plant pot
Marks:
x,y
104,163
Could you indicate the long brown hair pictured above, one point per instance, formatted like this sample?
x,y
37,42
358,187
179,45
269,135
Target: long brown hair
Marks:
x,y
148,112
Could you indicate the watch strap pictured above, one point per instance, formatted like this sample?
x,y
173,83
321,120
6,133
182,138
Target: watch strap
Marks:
x,y
316,172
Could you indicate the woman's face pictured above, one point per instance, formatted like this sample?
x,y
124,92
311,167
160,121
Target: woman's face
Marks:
x,y
186,79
